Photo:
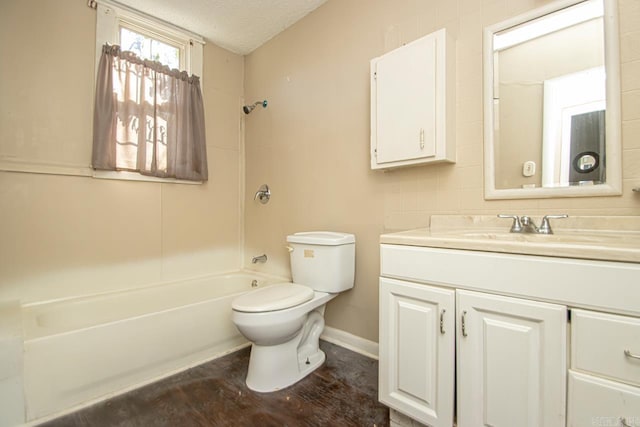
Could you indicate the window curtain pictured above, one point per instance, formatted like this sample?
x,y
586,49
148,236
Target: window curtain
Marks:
x,y
148,118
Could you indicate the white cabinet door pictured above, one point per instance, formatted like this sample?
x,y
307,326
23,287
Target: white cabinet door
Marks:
x,y
417,351
413,103
406,98
511,362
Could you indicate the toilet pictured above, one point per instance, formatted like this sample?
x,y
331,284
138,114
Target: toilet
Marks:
x,y
284,321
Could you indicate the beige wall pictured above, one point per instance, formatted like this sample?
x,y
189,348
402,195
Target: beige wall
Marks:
x,y
69,235
312,143
63,235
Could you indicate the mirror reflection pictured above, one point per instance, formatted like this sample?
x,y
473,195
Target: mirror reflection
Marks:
x,y
548,100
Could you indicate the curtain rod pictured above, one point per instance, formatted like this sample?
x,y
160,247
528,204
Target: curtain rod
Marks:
x,y
93,4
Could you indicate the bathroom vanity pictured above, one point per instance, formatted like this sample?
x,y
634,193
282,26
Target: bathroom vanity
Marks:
x,y
487,327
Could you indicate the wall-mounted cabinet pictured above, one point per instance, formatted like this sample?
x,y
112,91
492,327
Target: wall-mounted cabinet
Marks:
x,y
413,103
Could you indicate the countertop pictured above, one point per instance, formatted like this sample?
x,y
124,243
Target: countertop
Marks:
x,y
594,237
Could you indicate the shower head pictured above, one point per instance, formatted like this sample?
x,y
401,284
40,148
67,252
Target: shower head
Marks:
x,y
249,108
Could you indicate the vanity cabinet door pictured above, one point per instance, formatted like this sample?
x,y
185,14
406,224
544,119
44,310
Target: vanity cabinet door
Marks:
x,y
417,351
511,361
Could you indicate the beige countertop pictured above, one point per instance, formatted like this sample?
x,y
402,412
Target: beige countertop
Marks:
x,y
593,237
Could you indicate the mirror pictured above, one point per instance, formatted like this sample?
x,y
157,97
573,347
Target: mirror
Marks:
x,y
552,102
586,162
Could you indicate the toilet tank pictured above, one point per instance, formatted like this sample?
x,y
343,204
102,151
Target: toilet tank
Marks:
x,y
323,260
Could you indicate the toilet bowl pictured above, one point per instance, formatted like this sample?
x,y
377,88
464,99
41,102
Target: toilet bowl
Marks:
x,y
284,321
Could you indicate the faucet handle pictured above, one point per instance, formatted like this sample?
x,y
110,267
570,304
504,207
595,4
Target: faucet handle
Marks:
x,y
545,227
263,194
516,227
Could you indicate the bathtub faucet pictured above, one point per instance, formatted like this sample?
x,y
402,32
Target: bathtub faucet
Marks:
x,y
261,258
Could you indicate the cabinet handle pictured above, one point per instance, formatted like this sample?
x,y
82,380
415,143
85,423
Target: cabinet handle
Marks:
x,y
442,320
422,138
464,326
623,422
631,355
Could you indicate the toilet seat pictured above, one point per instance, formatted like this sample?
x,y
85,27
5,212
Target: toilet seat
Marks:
x,y
272,298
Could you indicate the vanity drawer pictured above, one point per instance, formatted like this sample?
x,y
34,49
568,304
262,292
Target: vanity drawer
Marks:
x,y
595,401
599,342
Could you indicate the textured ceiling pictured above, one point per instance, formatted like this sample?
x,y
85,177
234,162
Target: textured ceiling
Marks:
x,y
237,25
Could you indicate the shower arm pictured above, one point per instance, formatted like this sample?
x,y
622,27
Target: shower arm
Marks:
x,y
249,108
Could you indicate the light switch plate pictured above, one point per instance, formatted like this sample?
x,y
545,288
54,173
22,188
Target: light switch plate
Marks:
x,y
529,168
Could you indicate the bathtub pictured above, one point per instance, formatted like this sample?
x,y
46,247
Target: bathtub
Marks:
x,y
81,350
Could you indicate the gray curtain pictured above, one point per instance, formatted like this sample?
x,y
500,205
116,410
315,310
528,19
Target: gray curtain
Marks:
x,y
148,118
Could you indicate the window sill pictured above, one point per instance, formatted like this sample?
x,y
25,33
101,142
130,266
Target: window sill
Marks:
x,y
50,168
132,176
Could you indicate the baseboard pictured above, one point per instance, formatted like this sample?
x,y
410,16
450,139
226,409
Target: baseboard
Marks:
x,y
350,342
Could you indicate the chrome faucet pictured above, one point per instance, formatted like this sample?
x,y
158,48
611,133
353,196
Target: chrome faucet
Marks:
x,y
525,224
528,226
261,258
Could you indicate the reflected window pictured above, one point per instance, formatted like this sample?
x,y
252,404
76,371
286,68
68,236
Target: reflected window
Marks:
x,y
573,122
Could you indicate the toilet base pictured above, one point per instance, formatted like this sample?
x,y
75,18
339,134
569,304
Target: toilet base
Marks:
x,y
275,367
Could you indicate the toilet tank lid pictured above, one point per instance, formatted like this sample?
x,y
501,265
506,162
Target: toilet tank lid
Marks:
x,y
327,238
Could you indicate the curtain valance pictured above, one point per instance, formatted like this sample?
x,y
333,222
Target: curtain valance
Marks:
x,y
148,118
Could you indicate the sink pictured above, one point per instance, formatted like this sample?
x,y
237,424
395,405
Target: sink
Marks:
x,y
559,237
600,238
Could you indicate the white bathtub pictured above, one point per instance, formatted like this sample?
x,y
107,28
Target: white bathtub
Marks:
x,y
82,349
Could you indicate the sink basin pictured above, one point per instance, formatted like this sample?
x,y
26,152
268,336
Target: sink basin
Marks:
x,y
601,238
561,237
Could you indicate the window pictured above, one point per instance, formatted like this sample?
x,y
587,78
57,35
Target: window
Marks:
x,y
150,48
148,37
148,134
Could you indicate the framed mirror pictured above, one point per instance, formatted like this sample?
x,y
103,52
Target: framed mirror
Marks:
x,y
552,103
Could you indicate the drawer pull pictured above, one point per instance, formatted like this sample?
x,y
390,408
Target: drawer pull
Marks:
x,y
442,320
623,422
631,355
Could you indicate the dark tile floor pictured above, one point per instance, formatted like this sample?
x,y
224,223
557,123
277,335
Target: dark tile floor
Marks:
x,y
342,392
